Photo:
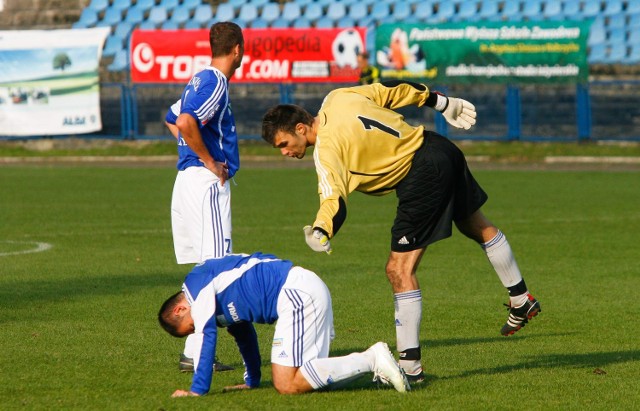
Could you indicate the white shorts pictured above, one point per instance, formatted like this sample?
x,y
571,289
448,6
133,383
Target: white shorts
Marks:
x,y
200,216
305,320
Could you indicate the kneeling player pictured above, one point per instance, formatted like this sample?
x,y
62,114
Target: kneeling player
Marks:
x,y
237,290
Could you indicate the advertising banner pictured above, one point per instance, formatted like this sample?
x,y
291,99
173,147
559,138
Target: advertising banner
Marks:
x,y
484,52
271,55
49,81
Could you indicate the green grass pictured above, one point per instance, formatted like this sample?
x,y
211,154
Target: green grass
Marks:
x,y
79,328
497,151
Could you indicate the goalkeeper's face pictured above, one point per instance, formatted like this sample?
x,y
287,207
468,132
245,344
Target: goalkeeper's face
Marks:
x,y
292,145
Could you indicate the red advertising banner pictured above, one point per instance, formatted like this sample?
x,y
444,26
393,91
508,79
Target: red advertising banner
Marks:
x,y
271,55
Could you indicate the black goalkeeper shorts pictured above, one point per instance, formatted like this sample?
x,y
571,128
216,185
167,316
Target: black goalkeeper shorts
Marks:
x,y
438,190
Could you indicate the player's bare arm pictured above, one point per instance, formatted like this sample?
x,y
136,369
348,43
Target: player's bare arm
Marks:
x,y
188,127
173,129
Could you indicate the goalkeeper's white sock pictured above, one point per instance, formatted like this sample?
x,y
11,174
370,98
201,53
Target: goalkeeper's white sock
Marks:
x,y
336,371
504,263
408,314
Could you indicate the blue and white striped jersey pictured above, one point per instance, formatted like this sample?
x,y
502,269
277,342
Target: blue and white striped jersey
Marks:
x,y
229,291
206,99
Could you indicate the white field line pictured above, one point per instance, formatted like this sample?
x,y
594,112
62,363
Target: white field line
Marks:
x,y
110,232
86,159
592,160
37,247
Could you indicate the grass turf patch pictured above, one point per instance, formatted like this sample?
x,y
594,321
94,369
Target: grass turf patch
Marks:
x,y
495,151
79,326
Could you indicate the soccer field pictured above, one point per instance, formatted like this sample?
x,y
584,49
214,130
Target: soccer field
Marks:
x,y
79,328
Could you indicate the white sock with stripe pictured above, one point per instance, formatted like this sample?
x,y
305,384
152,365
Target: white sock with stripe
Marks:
x,y
408,315
504,263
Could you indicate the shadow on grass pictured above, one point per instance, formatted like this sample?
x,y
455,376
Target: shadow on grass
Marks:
x,y
32,292
427,344
595,360
430,344
598,361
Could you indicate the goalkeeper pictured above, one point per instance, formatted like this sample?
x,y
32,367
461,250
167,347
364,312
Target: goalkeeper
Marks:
x,y
362,144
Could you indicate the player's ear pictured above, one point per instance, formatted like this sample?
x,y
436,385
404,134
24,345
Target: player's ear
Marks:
x,y
180,309
301,128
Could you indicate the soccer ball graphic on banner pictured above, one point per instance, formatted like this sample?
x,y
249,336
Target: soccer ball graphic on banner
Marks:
x,y
346,47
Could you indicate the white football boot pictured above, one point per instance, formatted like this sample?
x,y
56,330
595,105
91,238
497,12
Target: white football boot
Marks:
x,y
386,369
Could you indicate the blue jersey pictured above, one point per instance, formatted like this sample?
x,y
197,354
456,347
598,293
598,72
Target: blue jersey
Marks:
x,y
234,291
173,112
206,99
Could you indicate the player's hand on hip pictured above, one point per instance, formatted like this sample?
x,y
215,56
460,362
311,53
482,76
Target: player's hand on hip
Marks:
x,y
460,113
317,239
221,170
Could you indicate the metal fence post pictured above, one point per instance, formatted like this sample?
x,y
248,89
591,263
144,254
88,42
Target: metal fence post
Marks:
x,y
583,112
125,103
286,93
514,113
133,125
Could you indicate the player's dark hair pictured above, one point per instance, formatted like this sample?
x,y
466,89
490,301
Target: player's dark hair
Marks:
x,y
365,55
283,117
165,319
223,37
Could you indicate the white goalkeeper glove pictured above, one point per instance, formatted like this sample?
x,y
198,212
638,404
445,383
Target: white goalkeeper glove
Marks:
x,y
317,239
460,113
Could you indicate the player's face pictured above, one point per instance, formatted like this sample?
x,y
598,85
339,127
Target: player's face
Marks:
x,y
239,53
291,145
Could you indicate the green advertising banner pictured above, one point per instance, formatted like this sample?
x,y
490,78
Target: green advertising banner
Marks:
x,y
484,52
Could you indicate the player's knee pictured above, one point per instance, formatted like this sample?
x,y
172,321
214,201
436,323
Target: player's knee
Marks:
x,y
398,278
392,270
390,267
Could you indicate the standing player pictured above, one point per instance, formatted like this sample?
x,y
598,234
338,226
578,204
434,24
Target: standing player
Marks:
x,y
237,290
362,144
207,158
368,74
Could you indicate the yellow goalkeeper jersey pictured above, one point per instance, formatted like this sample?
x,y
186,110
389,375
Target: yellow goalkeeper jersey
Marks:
x,y
362,144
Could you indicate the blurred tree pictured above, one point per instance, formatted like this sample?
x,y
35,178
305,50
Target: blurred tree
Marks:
x,y
61,61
